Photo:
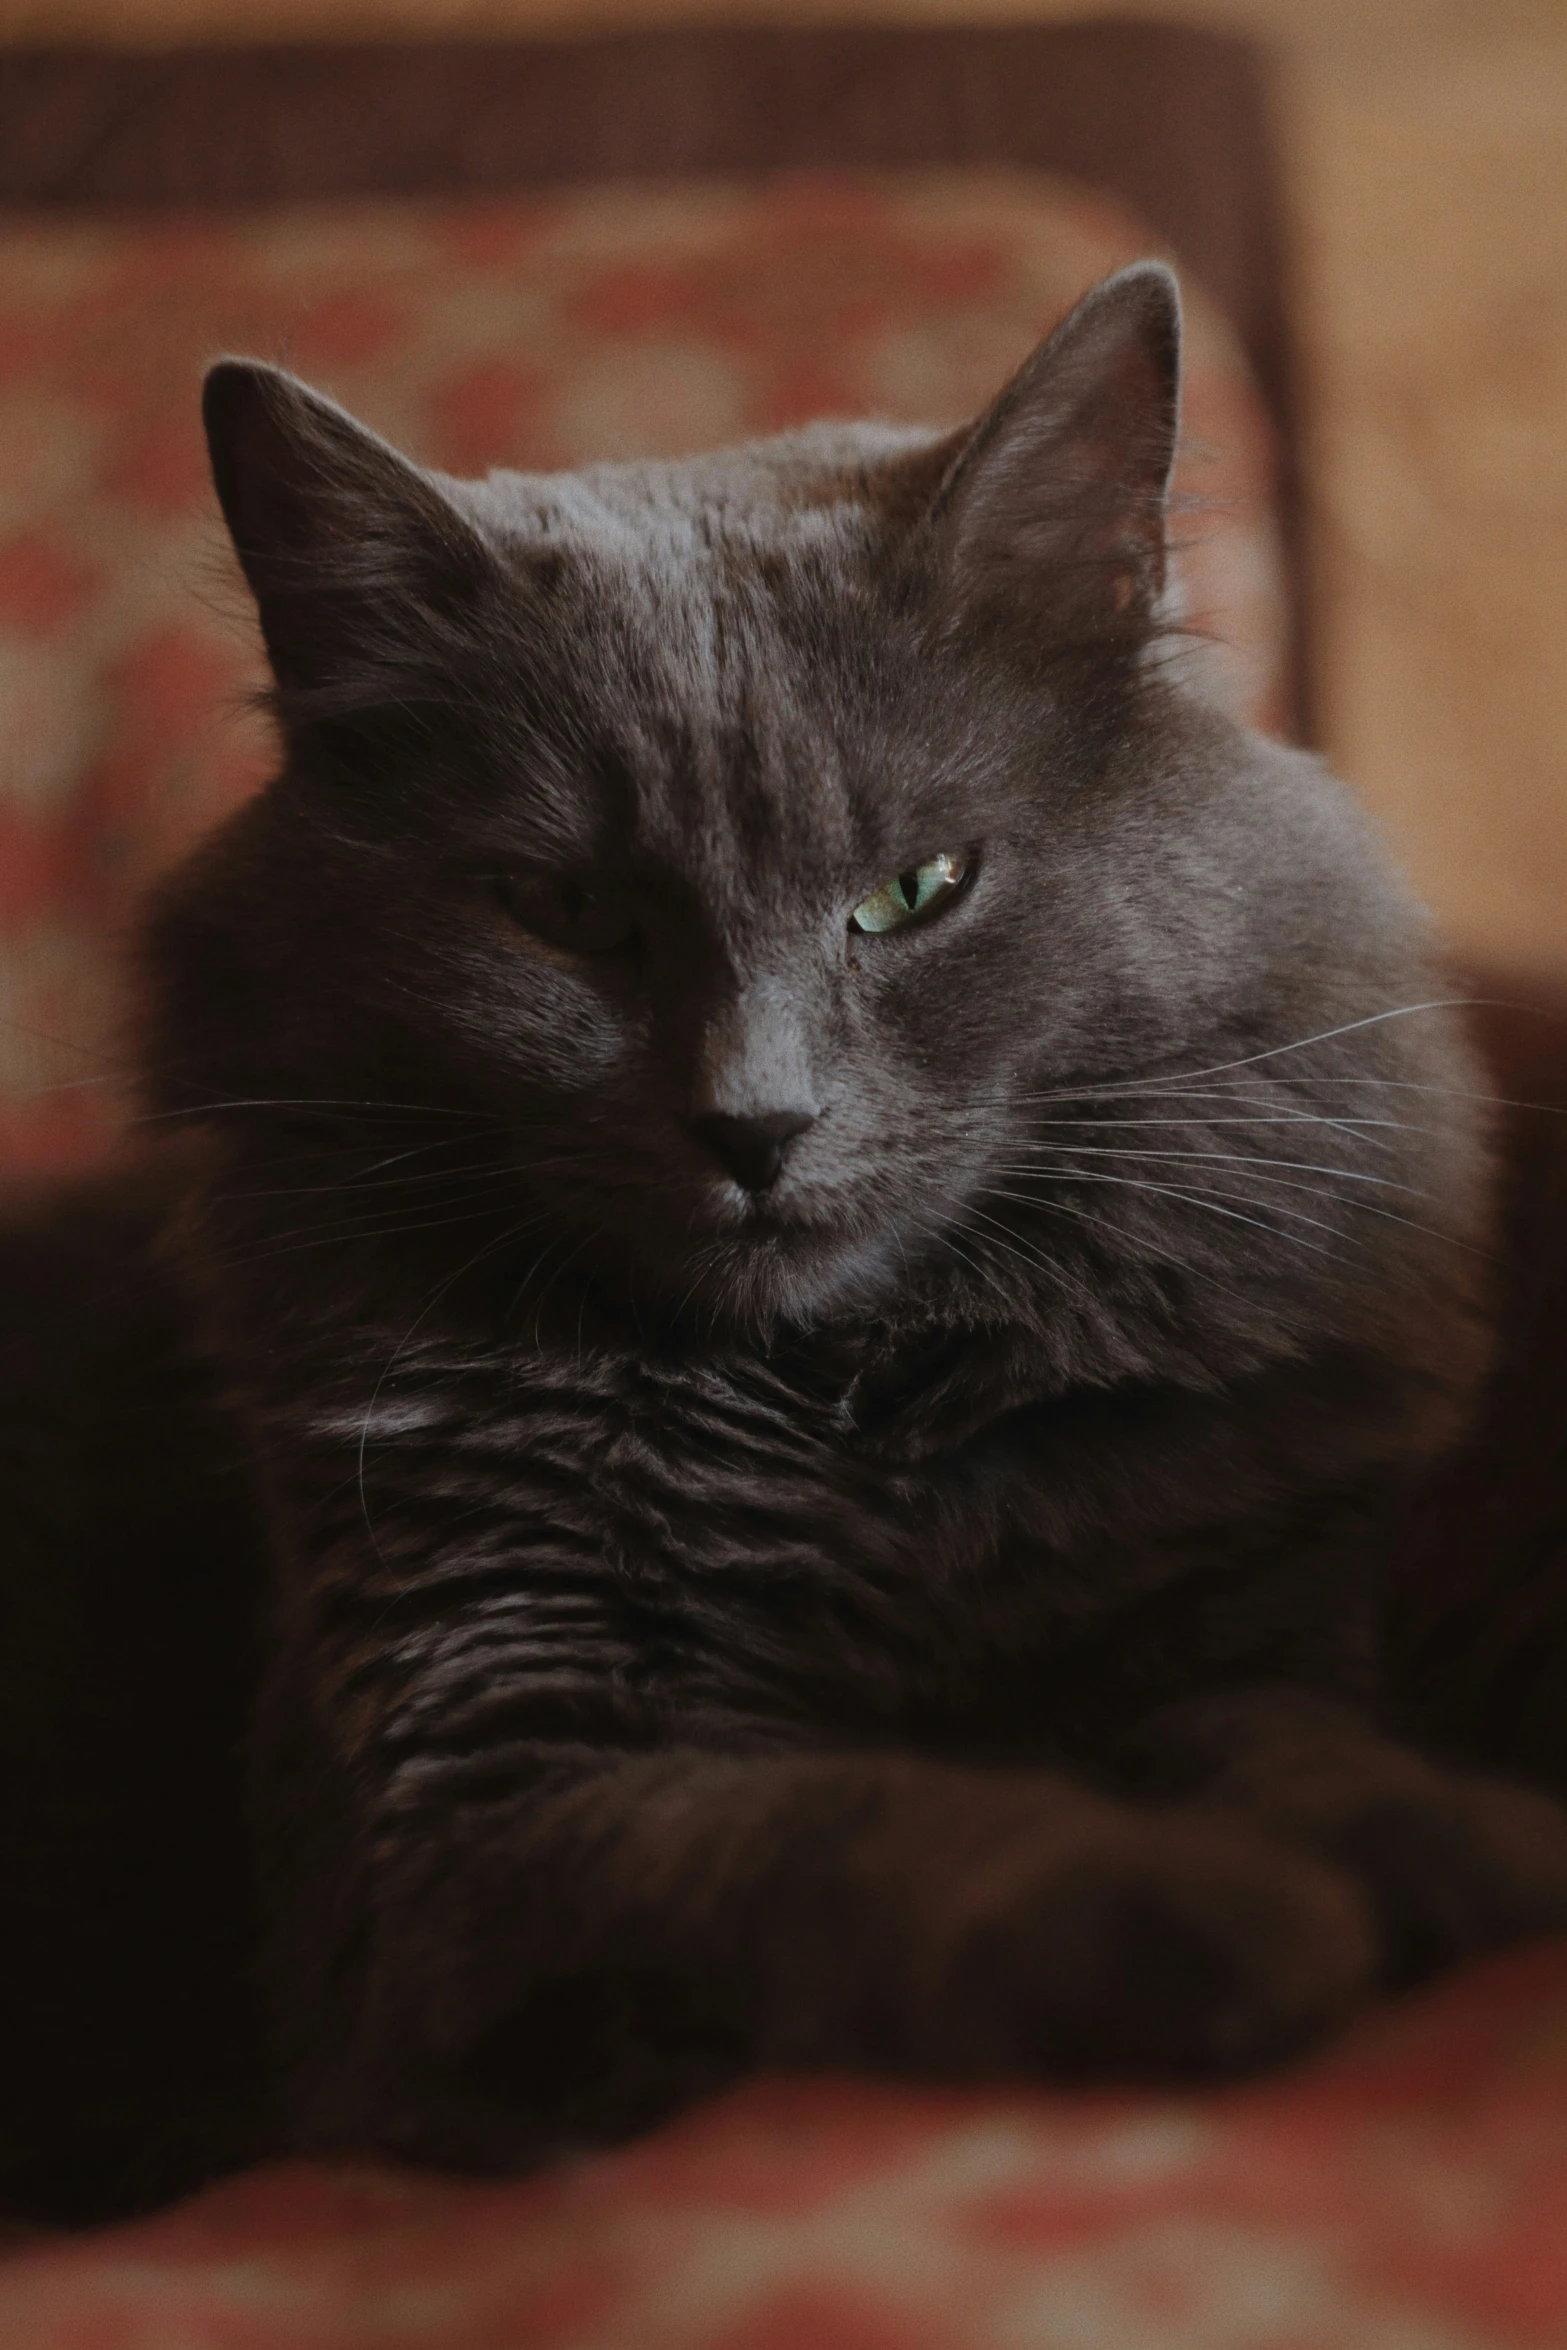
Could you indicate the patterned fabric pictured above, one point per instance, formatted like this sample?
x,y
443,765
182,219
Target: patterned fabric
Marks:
x,y
1406,2193
609,322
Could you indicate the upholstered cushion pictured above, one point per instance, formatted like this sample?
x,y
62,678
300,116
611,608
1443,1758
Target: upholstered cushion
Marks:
x,y
1405,2193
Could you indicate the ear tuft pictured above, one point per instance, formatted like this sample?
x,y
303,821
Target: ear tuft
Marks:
x,y
1054,511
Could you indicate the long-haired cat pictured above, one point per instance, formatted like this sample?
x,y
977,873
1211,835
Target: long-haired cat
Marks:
x,y
834,1216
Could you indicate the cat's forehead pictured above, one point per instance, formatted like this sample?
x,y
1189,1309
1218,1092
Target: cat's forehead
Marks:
x,y
712,622
697,561
762,488
726,729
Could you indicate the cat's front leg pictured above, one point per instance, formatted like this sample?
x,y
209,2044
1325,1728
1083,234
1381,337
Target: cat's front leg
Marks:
x,y
1453,1862
572,1961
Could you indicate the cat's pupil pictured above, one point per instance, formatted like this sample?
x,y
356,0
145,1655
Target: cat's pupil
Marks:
x,y
909,883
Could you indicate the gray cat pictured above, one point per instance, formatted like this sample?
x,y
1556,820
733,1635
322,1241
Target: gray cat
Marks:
x,y
837,1216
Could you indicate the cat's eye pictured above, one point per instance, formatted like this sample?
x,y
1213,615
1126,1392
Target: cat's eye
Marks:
x,y
919,891
566,912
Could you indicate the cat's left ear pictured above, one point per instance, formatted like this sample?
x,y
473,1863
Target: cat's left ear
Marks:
x,y
1054,509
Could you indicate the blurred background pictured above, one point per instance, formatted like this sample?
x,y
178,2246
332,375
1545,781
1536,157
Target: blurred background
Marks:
x,y
1423,148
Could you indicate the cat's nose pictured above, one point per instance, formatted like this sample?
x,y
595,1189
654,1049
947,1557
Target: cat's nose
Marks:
x,y
752,1148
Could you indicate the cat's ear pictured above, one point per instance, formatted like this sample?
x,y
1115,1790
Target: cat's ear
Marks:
x,y
1054,509
360,567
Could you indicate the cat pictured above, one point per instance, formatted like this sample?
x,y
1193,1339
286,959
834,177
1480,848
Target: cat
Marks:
x,y
836,1216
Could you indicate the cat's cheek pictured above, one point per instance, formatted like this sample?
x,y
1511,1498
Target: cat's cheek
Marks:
x,y
542,1026
930,1018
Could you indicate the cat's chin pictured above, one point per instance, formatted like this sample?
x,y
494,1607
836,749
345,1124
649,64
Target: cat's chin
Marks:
x,y
773,1273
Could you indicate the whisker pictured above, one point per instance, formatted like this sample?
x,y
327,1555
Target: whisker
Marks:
x,y
1273,1118
1358,1207
1298,1044
480,1194
942,1235
395,1356
1236,1158
1183,1265
420,1150
47,1093
559,1273
1041,1261
393,1185
295,1244
1358,1129
314,1102
1196,1200
1174,1085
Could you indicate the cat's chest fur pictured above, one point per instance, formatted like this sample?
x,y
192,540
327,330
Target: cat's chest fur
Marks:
x,y
754,1547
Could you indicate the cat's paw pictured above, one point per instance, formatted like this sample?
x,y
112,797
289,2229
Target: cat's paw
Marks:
x,y
1174,1945
1455,1865
1451,1862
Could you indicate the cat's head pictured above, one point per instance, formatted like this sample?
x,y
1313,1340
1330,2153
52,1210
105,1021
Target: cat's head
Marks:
x,y
747,841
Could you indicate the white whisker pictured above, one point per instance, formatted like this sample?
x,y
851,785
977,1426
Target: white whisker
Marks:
x,y
1300,1044
1235,1158
1197,1200
422,1317
1357,1207
1042,1261
1184,1265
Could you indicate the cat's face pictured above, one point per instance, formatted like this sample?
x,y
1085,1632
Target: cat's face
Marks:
x,y
748,840
742,926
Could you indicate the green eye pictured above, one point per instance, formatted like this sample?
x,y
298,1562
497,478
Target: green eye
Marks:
x,y
907,894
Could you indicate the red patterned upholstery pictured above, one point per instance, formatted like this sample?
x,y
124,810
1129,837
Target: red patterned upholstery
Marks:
x,y
1406,2193
607,322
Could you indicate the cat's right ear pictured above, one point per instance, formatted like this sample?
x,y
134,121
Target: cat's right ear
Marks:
x,y
360,567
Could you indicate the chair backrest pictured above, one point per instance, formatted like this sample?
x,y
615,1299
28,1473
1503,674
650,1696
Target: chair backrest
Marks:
x,y
1174,122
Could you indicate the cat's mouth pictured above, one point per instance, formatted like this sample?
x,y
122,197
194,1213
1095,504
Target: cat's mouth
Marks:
x,y
725,1223
734,1215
